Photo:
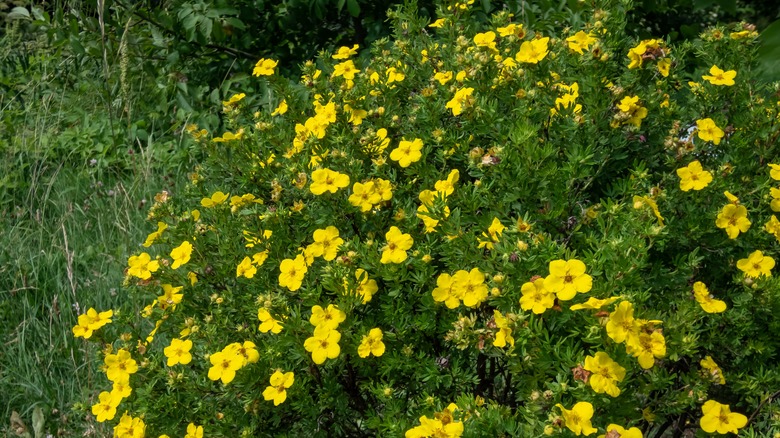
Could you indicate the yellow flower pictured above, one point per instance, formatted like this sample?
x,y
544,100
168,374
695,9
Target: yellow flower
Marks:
x,y
326,243
281,109
567,278
161,226
438,23
486,39
634,112
178,352
693,177
267,322
637,54
646,347
194,431
356,116
733,218
774,171
366,287
326,319
97,320
605,374
447,186
372,344
397,245
775,203
105,408
121,389
578,418
535,297
259,258
142,266
639,201
713,370
594,303
663,67
620,325
470,287
181,254
229,136
613,429
532,52
719,418
707,130
435,427
215,199
511,29
443,77
324,344
292,272
773,227
129,427
280,382
444,292
504,334
462,97
720,77
705,299
119,366
264,67
495,230
246,351
345,69
82,328
364,196
234,99
246,268
345,52
580,41
326,180
225,363
756,265
237,202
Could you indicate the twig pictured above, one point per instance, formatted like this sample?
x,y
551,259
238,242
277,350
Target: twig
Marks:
x,y
761,405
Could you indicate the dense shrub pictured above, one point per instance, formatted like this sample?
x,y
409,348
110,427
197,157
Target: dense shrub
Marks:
x,y
558,233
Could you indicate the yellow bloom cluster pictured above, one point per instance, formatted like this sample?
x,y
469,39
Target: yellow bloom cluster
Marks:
x,y
466,286
641,340
90,321
118,368
232,358
370,194
324,344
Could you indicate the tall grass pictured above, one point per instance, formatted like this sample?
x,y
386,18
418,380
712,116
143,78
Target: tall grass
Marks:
x,y
61,252
67,226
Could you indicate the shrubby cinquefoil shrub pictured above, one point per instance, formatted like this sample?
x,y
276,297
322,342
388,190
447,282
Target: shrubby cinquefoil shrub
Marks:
x,y
472,231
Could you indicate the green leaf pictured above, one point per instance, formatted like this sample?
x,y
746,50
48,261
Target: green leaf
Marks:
x,y
354,8
769,53
38,421
19,13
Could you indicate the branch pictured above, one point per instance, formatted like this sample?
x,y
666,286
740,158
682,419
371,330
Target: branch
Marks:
x,y
761,405
171,32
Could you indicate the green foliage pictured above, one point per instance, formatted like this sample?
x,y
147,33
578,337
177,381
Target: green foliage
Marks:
x,y
560,157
